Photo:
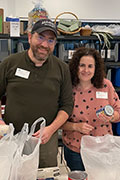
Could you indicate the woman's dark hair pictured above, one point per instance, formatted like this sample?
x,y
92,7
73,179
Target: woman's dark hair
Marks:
x,y
99,74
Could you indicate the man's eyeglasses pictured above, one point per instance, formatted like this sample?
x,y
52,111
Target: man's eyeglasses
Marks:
x,y
41,39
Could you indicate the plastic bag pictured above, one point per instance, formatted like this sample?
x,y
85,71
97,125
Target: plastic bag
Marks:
x,y
38,12
101,157
113,29
8,147
25,164
3,129
101,28
7,150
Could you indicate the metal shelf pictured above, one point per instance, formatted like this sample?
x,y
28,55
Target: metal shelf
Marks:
x,y
7,36
112,64
63,37
68,38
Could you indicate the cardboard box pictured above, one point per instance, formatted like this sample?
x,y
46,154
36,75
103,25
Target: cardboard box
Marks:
x,y
6,27
1,20
21,27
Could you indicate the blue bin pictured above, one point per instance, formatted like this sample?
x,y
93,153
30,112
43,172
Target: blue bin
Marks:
x,y
118,128
115,76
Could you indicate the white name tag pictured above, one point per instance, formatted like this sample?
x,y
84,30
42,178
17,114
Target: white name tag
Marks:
x,y
22,73
102,95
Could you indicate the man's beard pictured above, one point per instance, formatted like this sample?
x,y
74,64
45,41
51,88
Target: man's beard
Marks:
x,y
38,55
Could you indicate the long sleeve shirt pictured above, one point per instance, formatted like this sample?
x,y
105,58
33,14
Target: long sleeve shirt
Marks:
x,y
86,103
33,92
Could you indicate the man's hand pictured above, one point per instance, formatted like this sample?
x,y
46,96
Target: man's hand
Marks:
x,y
46,134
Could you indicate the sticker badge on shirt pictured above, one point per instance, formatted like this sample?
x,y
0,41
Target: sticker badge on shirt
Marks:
x,y
101,95
22,73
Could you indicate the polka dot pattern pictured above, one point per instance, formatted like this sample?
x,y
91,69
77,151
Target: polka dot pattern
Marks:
x,y
84,111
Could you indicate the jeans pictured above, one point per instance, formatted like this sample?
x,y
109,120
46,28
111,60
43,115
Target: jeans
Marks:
x,y
73,160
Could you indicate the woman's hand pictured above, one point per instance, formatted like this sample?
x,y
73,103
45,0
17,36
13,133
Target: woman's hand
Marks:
x,y
106,118
84,128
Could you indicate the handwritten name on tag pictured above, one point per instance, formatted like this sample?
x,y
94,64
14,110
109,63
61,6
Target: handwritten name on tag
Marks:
x,y
101,95
22,73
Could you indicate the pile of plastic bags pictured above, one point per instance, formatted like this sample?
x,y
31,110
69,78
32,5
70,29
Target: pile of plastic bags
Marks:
x,y
19,154
113,29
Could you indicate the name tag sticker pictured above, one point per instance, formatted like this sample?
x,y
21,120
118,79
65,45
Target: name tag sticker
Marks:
x,y
101,95
22,73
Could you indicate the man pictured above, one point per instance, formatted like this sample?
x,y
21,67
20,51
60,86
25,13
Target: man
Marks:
x,y
38,84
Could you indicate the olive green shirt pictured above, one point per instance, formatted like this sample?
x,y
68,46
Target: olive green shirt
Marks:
x,y
33,92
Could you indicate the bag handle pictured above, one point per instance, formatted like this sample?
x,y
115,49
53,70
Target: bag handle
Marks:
x,y
22,135
42,125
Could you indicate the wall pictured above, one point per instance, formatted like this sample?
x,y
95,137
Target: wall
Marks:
x,y
8,6
84,9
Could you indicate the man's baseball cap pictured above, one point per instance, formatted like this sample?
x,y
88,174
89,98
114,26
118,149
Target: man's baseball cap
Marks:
x,y
43,25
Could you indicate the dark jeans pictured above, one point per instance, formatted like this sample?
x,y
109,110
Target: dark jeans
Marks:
x,y
73,160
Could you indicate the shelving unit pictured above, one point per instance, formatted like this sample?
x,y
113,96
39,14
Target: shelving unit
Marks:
x,y
76,38
62,38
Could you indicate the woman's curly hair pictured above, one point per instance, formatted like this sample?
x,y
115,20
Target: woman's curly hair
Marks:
x,y
99,74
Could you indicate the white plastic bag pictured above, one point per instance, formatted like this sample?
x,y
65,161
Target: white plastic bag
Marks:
x,y
25,164
7,149
113,29
101,157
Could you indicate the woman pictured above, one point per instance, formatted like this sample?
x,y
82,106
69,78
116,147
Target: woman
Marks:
x,y
91,91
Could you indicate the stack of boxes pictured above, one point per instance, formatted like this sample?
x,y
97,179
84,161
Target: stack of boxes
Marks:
x,y
5,26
